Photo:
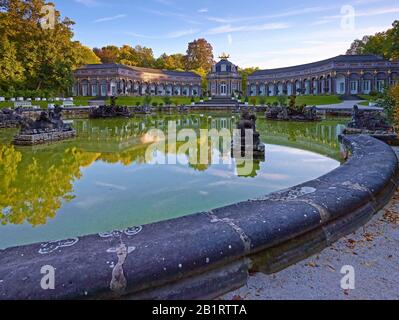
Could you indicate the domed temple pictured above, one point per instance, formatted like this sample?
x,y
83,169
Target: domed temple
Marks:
x,y
224,79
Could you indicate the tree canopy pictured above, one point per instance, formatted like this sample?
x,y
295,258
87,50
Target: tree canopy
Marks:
x,y
385,44
33,57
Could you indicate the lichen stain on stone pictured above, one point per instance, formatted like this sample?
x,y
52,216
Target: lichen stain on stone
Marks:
x,y
290,194
118,282
50,247
355,186
117,233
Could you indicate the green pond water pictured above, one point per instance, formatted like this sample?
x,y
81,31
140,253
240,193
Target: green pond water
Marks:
x,y
103,181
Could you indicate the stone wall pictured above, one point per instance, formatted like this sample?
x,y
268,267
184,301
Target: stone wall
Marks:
x,y
42,138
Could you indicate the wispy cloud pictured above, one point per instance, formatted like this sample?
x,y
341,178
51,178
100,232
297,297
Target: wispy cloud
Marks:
x,y
247,28
88,3
203,10
358,13
181,33
117,17
287,13
171,35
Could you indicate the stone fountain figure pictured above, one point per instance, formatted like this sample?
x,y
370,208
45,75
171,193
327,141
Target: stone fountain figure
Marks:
x,y
48,127
111,111
239,144
372,123
10,118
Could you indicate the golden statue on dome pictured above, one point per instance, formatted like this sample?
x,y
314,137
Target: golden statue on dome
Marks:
x,y
224,56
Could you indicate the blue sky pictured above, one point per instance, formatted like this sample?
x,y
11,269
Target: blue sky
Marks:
x,y
261,33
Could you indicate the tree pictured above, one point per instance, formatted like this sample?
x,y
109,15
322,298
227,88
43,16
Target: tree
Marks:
x,y
108,54
172,62
12,71
199,55
357,46
244,74
43,57
84,55
385,44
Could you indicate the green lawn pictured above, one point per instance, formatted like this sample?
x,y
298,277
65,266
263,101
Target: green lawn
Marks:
x,y
308,100
368,99
131,101
128,101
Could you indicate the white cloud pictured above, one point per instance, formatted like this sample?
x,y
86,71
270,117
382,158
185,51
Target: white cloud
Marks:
x,y
117,17
247,28
358,13
181,33
171,35
289,13
88,3
203,10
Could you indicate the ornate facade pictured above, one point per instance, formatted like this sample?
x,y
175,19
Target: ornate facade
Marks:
x,y
114,79
224,79
342,75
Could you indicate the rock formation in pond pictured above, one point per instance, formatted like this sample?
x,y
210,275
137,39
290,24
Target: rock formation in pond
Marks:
x,y
49,127
372,123
292,112
10,118
307,114
246,124
112,111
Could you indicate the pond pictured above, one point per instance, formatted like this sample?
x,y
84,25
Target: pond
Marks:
x,y
104,180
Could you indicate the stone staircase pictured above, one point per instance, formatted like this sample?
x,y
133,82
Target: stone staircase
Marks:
x,y
351,97
218,102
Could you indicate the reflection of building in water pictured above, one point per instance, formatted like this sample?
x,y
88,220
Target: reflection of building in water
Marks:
x,y
320,137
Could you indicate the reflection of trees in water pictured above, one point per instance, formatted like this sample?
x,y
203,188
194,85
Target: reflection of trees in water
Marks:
x,y
34,185
35,182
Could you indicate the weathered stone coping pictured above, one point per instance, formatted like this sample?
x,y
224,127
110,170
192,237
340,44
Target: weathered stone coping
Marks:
x,y
207,254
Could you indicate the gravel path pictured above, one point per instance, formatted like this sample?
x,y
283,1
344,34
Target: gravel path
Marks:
x,y
373,251
348,105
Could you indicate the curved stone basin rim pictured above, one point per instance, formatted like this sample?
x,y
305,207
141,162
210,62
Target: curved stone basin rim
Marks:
x,y
208,254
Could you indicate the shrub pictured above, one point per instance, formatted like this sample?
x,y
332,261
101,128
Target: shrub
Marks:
x,y
167,100
253,101
292,103
192,99
282,100
155,104
246,99
161,104
147,100
138,103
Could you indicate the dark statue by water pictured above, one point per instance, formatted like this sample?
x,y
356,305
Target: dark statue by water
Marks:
x,y
246,124
112,111
10,118
48,127
371,123
293,112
